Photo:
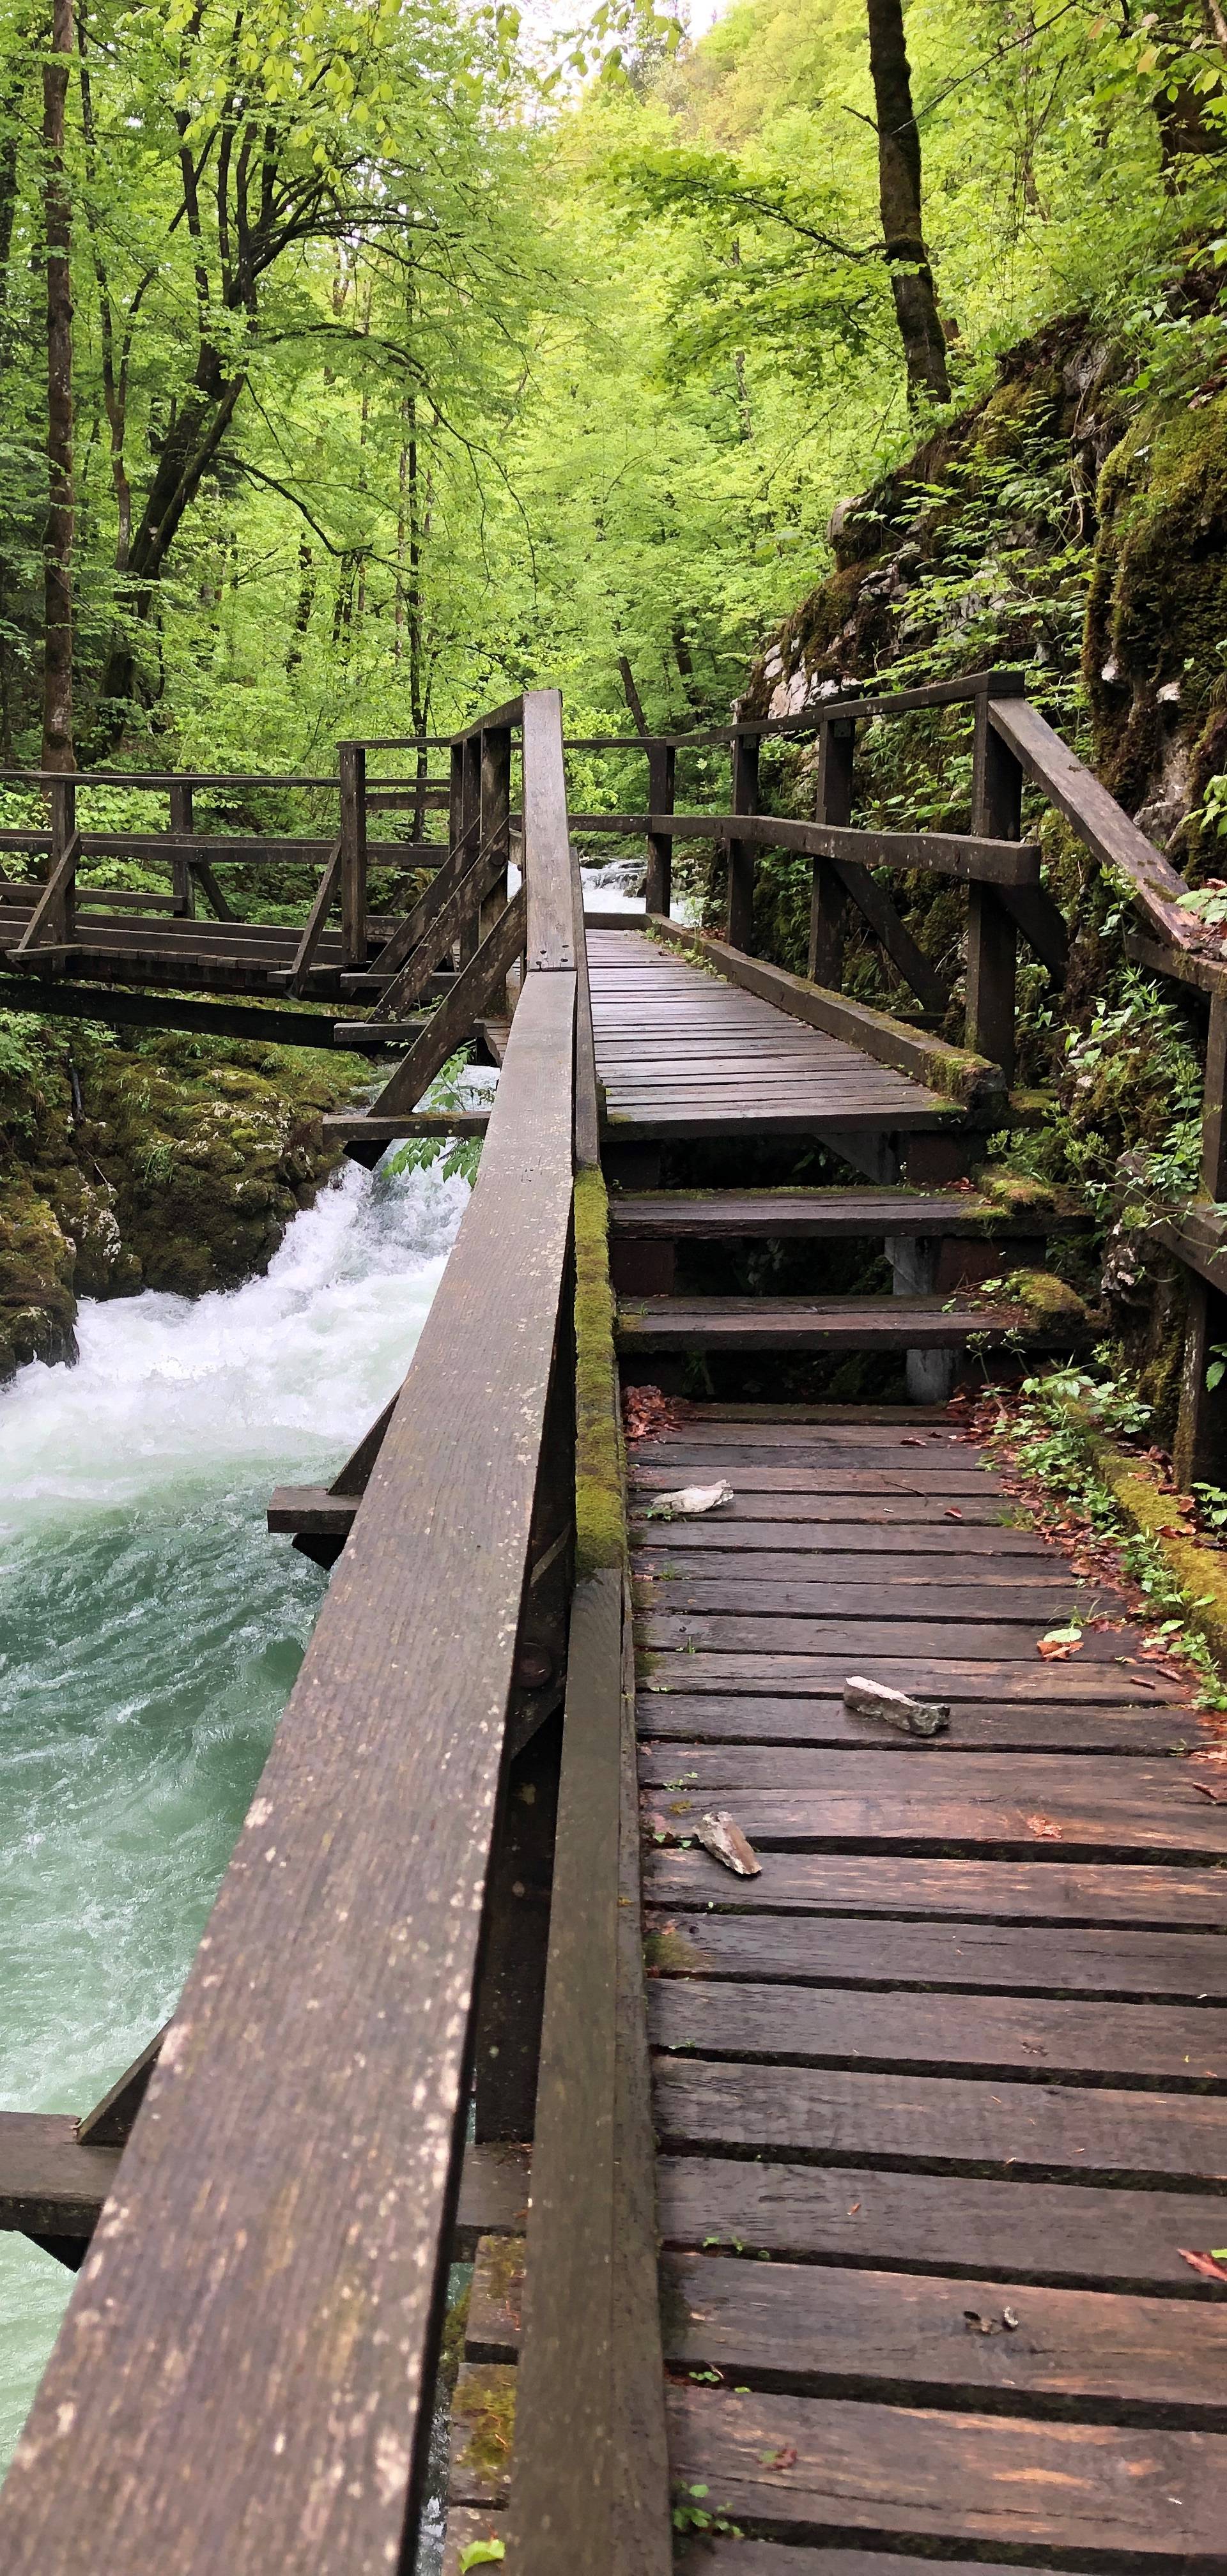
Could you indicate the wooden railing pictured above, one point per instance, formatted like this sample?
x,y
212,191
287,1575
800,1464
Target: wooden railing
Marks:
x,y
244,2377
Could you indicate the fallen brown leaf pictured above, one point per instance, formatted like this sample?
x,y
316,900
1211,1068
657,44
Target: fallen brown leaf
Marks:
x,y
1054,1652
784,2458
1044,1829
1203,2263
953,1513
1217,1797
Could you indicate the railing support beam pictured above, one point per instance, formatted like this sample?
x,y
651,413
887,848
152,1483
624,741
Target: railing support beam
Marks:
x,y
828,901
662,766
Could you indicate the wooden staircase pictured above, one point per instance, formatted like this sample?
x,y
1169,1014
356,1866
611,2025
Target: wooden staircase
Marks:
x,y
967,1274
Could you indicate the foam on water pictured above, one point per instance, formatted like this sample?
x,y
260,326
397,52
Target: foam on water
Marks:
x,y
150,1631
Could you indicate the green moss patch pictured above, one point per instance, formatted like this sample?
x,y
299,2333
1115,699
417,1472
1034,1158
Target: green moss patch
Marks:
x,y
600,1521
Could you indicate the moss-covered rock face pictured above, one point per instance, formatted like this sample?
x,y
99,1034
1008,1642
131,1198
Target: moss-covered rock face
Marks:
x,y
1157,612
176,1163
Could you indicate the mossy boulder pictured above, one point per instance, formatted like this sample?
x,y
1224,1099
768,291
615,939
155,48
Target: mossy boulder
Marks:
x,y
176,1163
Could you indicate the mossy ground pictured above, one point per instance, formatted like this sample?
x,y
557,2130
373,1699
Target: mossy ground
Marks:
x,y
172,1162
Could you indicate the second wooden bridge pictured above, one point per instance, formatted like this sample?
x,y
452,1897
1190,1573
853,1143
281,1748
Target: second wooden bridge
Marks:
x,y
823,2220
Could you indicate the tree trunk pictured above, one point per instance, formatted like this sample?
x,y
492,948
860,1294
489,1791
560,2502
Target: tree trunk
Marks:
x,y
924,346
57,548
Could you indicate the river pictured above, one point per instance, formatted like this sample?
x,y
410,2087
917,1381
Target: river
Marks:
x,y
150,1631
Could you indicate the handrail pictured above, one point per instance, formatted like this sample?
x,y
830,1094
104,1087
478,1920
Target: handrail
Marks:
x,y
1101,824
244,2378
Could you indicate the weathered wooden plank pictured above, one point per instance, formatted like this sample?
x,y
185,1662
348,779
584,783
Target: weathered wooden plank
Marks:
x,y
452,1023
1029,1891
838,1323
829,2115
1066,2232
1098,820
710,1215
955,1678
922,1633
746,1593
770,2558
913,2334
567,2364
678,1722
817,1949
1044,1800
547,859
308,2106
844,2465
849,1529
780,1468
1123,2043
970,859
51,2185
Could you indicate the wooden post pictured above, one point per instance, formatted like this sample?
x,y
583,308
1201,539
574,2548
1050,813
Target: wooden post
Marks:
x,y
742,853
352,761
992,936
182,820
494,824
836,762
470,826
1214,1110
662,764
1199,1451
63,829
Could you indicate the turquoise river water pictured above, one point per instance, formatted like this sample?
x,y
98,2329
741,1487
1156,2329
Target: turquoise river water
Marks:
x,y
150,1631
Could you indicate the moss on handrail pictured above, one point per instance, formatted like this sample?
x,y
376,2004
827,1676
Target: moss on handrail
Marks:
x,y
600,1519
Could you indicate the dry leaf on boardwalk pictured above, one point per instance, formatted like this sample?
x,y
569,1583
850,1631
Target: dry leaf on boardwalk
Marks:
x,y
721,1835
646,1412
953,1513
1209,2265
1217,1797
1059,1643
689,1500
1044,1829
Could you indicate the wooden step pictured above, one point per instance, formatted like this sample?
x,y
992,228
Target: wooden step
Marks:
x,y
840,1323
714,1214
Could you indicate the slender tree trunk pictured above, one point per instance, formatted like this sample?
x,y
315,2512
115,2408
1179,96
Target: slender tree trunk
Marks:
x,y
924,346
57,549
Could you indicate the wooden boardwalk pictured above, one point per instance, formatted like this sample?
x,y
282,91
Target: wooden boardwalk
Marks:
x,y
681,1053
939,2094
825,2221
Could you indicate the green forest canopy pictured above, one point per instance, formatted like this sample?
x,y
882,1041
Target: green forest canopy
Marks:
x,y
417,357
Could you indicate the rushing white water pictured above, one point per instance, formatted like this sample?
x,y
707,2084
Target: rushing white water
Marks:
x,y
150,1631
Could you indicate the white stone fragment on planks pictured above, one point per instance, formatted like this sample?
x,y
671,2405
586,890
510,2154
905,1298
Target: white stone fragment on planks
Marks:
x,y
721,1835
911,1716
689,1501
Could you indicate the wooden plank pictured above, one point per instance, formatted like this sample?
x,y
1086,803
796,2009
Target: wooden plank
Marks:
x,y
920,1633
767,2558
956,1678
1101,825
857,2332
836,1323
745,1592
51,2185
308,2106
967,856
587,1095
1091,1893
848,1528
266,1025
853,2466
855,1215
304,956
51,918
345,1126
829,2115
970,1798
911,2335
817,1949
1067,2233
1125,2043
547,854
642,2533
567,2363
675,1717
905,953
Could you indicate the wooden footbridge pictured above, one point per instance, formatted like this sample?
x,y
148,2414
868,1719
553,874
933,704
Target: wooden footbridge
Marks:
x,y
854,2231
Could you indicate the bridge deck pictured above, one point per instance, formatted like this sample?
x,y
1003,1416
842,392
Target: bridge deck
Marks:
x,y
933,2092
682,1053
